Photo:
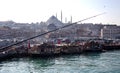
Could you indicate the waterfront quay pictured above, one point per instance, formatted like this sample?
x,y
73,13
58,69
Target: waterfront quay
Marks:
x,y
51,50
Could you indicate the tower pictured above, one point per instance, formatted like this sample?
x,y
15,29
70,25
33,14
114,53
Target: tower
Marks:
x,y
65,19
61,16
71,19
56,15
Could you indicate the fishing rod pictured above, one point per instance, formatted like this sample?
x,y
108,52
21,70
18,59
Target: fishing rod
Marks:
x,y
51,31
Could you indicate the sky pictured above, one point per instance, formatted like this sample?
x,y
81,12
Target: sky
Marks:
x,y
28,11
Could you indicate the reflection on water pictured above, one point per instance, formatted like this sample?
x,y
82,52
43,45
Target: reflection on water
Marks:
x,y
108,62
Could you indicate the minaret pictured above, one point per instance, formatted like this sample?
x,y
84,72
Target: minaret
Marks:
x,y
61,16
71,19
65,20
56,15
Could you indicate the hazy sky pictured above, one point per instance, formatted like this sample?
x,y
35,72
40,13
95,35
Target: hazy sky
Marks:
x,y
40,10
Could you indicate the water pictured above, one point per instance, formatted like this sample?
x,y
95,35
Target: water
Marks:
x,y
108,62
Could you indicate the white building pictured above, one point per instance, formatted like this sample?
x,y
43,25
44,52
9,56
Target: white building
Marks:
x,y
110,31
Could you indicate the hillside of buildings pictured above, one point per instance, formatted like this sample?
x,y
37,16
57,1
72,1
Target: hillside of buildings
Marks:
x,y
10,30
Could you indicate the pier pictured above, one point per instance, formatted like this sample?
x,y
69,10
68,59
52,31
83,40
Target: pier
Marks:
x,y
50,50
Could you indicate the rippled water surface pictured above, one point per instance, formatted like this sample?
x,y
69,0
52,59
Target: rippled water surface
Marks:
x,y
108,62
